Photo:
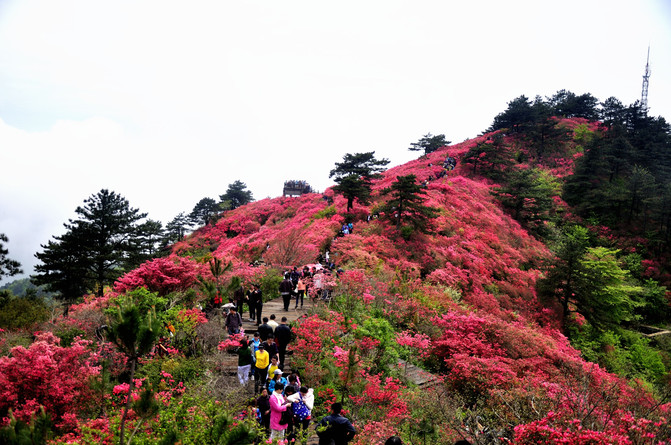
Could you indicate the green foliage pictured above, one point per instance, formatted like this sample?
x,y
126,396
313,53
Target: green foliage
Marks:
x,y
562,272
406,205
182,369
132,332
429,143
528,194
327,212
656,308
603,294
140,297
381,330
176,229
134,335
21,312
624,352
8,267
270,283
96,248
199,422
236,195
494,158
67,334
36,432
354,176
204,211
185,338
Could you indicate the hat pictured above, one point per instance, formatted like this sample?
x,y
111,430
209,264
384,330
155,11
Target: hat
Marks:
x,y
278,372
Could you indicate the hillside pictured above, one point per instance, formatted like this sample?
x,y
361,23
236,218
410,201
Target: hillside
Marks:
x,y
459,301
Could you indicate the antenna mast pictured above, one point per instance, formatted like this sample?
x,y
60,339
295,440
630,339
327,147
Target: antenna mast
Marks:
x,y
646,80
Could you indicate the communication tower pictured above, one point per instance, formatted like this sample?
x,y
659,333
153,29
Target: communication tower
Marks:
x,y
646,80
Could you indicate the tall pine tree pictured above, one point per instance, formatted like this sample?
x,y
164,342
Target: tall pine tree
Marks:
x,y
354,176
406,205
99,246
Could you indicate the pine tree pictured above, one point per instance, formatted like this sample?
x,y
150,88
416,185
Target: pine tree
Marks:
x,y
8,267
96,249
134,335
204,211
429,143
355,174
236,195
406,205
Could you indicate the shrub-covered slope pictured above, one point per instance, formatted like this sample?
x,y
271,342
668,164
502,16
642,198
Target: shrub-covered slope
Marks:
x,y
458,300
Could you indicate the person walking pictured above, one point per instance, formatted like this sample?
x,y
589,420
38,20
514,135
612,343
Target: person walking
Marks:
x,y
255,298
302,404
265,329
335,429
261,368
272,323
300,292
271,346
277,406
244,362
263,404
283,337
239,298
286,287
233,321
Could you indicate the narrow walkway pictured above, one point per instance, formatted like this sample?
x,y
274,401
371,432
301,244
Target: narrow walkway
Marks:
x,y
275,306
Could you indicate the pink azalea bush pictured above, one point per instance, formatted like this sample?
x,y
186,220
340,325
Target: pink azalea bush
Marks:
x,y
46,374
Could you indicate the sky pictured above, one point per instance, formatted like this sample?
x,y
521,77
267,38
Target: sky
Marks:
x,y
168,102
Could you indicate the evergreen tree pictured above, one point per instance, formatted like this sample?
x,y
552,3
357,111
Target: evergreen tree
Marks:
x,y
562,273
148,241
355,174
603,293
176,229
406,205
8,267
493,158
134,335
519,114
236,195
429,143
95,250
528,193
204,211
568,104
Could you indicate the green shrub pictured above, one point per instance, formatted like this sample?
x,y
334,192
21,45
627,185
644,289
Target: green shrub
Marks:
x,y
21,312
327,212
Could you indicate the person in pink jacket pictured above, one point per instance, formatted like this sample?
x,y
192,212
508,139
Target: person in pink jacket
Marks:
x,y
278,404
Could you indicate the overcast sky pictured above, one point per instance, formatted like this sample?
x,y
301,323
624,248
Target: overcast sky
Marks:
x,y
168,102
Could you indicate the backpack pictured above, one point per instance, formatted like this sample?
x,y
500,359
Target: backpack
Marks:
x,y
301,411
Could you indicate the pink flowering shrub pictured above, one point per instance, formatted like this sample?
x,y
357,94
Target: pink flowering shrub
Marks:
x,y
49,375
161,275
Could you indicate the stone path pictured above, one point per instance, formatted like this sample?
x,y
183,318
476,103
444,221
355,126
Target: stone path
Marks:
x,y
276,306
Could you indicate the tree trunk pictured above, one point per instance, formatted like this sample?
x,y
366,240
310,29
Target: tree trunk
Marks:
x,y
128,400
